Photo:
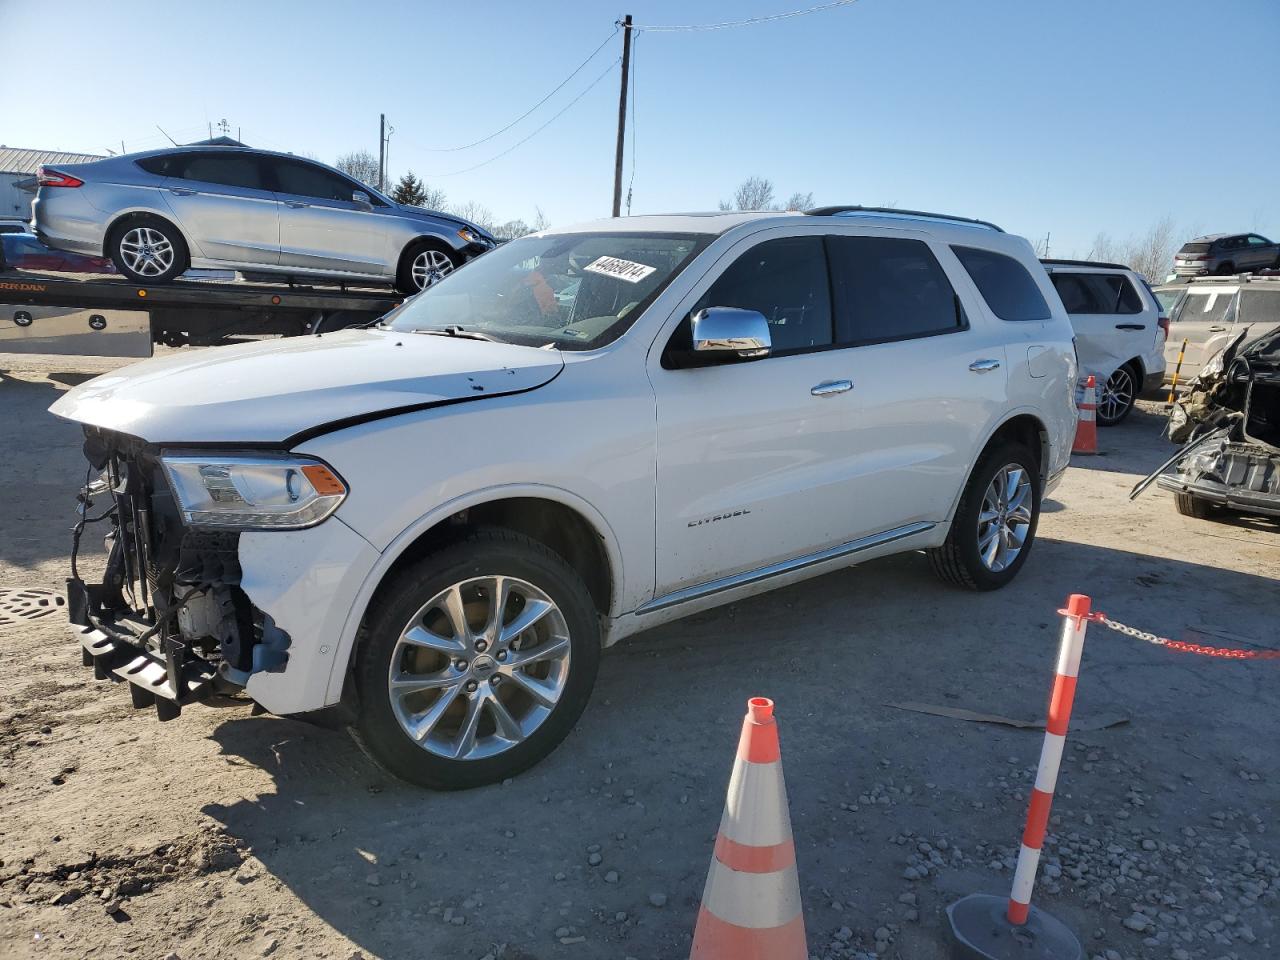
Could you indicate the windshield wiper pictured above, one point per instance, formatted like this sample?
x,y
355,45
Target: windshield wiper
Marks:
x,y
453,330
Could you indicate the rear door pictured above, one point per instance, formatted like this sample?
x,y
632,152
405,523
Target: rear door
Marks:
x,y
223,207
1111,322
1261,252
1202,318
321,227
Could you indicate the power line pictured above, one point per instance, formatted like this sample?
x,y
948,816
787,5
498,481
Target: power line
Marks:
x,y
557,89
519,143
673,27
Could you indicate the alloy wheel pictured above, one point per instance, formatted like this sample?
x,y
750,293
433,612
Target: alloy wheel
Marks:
x,y
479,667
1005,518
430,266
1117,395
146,251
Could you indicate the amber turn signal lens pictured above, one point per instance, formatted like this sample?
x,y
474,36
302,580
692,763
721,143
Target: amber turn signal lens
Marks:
x,y
323,479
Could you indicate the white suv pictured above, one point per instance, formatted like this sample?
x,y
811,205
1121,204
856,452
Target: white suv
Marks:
x,y
1120,329
436,524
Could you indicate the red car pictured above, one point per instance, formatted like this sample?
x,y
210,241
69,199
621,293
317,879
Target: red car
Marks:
x,y
24,251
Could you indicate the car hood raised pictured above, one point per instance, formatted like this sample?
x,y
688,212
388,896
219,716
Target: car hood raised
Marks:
x,y
277,391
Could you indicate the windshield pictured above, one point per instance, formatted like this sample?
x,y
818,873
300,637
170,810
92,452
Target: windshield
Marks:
x,y
572,291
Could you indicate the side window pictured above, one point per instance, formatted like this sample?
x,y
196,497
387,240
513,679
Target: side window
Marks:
x,y
1077,296
1119,293
786,280
162,165
1004,284
888,289
1257,241
227,169
305,180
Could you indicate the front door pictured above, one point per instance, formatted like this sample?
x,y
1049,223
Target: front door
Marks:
x,y
322,228
222,206
753,457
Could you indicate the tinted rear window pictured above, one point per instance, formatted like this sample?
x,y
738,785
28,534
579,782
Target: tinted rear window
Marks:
x,y
1195,248
1096,293
1005,284
888,289
1258,306
227,169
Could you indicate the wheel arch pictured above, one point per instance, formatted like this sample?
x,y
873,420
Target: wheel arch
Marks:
x,y
140,213
433,239
1020,427
561,521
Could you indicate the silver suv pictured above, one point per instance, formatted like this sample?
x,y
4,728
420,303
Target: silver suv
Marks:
x,y
157,214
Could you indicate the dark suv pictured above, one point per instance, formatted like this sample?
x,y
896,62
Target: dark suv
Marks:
x,y
1226,253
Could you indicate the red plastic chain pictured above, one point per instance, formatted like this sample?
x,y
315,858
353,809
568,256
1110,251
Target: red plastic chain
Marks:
x,y
1225,653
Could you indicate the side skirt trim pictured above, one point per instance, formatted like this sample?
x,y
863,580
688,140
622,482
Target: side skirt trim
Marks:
x,y
783,566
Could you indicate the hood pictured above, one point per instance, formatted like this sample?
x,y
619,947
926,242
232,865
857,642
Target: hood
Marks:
x,y
441,215
277,391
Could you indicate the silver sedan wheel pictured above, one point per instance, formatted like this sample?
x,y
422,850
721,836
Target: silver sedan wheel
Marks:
x,y
479,668
1117,395
1005,518
147,251
429,266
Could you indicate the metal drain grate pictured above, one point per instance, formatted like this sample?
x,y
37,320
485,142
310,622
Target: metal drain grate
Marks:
x,y
29,603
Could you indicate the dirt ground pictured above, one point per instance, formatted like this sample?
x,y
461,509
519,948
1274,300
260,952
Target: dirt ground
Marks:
x,y
226,835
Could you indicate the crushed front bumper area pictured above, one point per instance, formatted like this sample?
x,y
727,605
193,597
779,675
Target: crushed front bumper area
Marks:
x,y
1238,476
167,680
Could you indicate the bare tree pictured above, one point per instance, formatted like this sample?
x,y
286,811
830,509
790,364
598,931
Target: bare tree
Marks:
x,y
799,201
540,221
360,164
754,193
433,198
477,213
1150,253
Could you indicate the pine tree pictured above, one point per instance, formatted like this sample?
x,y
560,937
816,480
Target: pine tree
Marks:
x,y
409,191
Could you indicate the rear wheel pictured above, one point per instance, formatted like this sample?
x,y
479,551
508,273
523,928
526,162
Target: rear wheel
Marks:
x,y
995,522
1189,505
148,249
477,662
1115,400
423,263
1226,269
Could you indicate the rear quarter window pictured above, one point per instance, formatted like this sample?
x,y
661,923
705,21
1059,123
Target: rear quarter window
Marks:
x,y
1005,284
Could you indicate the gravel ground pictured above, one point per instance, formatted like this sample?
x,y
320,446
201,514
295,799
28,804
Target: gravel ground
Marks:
x,y
226,835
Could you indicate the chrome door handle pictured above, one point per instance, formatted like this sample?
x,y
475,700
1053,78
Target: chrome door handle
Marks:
x,y
1216,329
984,366
829,388
296,204
182,192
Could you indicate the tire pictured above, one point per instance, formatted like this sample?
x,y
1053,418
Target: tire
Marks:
x,y
959,560
148,249
438,259
1225,269
1189,505
1116,399
468,677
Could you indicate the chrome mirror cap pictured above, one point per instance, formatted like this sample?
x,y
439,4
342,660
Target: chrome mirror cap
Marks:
x,y
731,333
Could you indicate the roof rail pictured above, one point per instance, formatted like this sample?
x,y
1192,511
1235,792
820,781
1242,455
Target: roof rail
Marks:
x,y
895,211
1053,262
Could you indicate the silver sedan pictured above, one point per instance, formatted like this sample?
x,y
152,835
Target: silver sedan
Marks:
x,y
160,213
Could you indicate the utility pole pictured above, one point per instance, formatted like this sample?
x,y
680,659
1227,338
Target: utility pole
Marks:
x,y
622,116
382,153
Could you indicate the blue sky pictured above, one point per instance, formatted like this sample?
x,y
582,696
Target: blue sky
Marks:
x,y
1062,117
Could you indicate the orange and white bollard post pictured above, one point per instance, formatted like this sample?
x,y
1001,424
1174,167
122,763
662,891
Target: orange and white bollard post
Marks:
x,y
751,903
1086,440
991,928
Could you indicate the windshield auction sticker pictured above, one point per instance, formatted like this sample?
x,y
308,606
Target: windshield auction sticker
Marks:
x,y
620,269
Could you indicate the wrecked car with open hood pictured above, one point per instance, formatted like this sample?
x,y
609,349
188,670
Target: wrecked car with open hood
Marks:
x,y
1229,427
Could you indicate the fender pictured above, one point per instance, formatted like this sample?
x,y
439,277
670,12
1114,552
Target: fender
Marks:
x,y
346,641
992,430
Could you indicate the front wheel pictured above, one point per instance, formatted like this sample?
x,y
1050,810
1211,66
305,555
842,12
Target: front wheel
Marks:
x,y
995,522
425,262
477,662
148,249
1115,401
1189,505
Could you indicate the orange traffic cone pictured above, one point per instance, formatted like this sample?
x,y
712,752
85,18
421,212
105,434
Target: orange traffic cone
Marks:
x,y
1087,426
751,903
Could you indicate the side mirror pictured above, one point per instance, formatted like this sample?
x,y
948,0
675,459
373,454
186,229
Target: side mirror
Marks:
x,y
362,198
727,333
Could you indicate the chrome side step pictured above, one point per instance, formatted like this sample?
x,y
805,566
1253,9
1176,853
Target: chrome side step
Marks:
x,y
711,587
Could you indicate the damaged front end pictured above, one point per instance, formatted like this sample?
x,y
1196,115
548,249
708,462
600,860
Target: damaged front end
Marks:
x,y
168,615
1229,428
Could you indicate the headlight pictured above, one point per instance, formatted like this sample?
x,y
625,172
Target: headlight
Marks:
x,y
469,235
253,492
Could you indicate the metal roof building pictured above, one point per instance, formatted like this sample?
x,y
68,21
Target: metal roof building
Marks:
x,y
18,168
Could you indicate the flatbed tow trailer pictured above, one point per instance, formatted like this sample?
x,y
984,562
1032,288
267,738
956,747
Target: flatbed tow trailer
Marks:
x,y
111,317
